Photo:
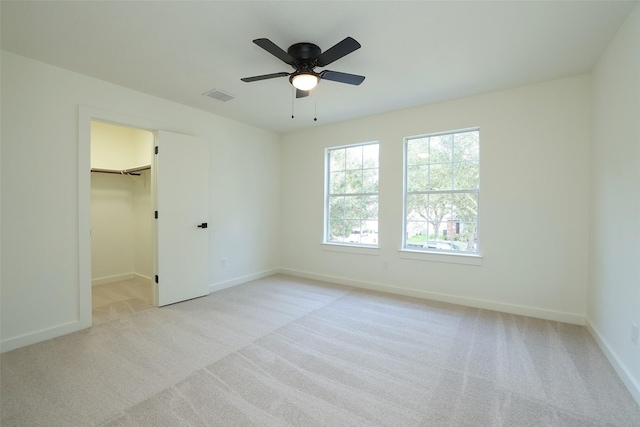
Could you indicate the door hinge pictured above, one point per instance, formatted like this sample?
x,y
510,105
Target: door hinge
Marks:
x,y
156,215
156,278
156,149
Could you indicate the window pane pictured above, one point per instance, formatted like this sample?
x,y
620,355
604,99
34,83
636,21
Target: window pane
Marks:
x,y
354,158
441,149
440,177
465,206
439,211
370,207
355,232
466,176
417,207
370,156
338,230
354,182
337,159
337,182
336,207
372,227
370,181
353,207
418,178
417,233
466,147
418,151
468,238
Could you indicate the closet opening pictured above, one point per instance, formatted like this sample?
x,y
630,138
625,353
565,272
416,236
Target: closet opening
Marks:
x,y
122,215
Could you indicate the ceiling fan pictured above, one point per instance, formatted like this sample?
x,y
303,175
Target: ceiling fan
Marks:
x,y
304,58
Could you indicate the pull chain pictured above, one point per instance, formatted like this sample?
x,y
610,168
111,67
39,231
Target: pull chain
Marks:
x,y
315,104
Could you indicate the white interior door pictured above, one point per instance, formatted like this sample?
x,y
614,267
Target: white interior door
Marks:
x,y
182,200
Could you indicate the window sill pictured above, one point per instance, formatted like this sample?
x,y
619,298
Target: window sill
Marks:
x,y
466,259
351,249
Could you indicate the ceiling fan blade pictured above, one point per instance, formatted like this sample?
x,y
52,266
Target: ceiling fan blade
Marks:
x,y
263,77
336,52
301,93
336,76
274,50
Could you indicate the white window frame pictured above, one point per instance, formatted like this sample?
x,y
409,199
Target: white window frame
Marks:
x,y
435,251
328,194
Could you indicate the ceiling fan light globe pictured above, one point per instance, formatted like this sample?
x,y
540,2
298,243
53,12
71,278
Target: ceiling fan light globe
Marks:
x,y
304,81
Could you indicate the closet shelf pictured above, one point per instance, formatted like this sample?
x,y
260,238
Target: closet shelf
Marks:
x,y
131,171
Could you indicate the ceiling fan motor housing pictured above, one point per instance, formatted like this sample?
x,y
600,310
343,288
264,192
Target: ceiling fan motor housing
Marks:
x,y
304,52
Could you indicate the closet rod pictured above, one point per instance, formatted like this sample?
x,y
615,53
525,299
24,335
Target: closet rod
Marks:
x,y
131,171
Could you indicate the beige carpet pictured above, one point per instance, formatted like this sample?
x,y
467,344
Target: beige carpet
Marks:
x,y
288,351
113,300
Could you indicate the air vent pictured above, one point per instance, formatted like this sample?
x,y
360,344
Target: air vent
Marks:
x,y
219,95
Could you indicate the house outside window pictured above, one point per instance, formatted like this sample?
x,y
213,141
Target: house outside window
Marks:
x,y
351,194
442,192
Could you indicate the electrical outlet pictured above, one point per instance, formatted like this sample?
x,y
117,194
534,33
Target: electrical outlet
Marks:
x,y
385,266
223,262
634,333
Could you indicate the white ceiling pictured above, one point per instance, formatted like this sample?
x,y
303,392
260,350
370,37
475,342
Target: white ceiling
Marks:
x,y
412,53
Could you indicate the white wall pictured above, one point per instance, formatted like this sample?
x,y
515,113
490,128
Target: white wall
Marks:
x,y
534,199
121,227
614,285
119,147
112,213
143,226
40,206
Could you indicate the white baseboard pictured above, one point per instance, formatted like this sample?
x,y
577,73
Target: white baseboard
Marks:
x,y
110,279
41,335
632,383
119,278
141,277
240,280
539,313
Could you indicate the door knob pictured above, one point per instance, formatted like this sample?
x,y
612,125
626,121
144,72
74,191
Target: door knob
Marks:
x,y
203,225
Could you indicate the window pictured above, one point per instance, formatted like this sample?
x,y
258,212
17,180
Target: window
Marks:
x,y
442,191
351,201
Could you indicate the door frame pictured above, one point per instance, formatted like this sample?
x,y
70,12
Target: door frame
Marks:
x,y
86,115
